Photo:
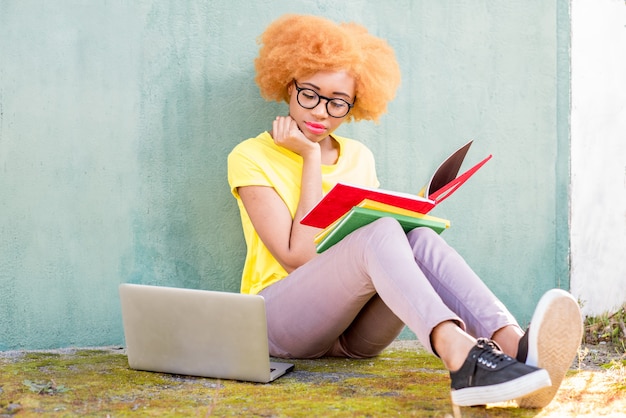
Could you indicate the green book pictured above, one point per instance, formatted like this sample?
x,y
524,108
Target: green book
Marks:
x,y
358,217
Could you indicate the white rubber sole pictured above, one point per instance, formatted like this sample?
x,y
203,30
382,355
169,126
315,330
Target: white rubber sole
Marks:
x,y
554,336
513,389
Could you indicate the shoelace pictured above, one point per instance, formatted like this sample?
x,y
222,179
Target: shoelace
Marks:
x,y
491,356
490,343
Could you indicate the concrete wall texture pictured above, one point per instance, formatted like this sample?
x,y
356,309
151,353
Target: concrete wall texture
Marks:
x,y
116,119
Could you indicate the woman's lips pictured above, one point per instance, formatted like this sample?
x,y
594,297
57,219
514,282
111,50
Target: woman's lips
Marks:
x,y
315,128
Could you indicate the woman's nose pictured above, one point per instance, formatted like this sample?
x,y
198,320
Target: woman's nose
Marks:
x,y
320,109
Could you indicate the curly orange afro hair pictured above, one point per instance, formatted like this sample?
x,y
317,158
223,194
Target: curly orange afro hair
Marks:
x,y
297,46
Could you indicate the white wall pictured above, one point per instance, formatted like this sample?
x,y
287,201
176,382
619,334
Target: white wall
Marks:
x,y
598,160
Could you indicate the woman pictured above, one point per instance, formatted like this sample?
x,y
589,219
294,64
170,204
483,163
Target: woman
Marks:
x,y
355,298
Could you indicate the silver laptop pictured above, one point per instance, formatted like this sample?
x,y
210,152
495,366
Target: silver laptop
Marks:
x,y
197,333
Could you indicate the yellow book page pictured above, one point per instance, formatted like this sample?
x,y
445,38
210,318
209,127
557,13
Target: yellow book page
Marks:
x,y
371,204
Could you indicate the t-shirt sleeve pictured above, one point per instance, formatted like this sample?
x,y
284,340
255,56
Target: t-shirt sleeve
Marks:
x,y
244,170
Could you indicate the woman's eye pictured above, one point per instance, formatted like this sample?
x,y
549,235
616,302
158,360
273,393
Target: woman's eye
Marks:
x,y
338,104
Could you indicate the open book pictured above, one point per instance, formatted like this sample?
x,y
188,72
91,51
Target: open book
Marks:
x,y
442,184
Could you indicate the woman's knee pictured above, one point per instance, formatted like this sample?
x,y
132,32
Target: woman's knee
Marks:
x,y
386,238
386,226
383,234
426,243
422,233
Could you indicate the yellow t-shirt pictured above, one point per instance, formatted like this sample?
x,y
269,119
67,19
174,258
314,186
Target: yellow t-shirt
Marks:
x,y
260,162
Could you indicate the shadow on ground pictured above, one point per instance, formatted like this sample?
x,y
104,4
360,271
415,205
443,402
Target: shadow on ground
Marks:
x,y
403,381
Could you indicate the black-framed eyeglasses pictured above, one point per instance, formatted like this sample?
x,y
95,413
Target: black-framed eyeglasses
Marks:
x,y
309,99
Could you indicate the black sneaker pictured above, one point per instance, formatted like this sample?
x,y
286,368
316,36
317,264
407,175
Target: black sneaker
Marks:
x,y
488,376
551,342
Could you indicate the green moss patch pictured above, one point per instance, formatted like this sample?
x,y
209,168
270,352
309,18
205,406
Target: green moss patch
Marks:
x,y
400,382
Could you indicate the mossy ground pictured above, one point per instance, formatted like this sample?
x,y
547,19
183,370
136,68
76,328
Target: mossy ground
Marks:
x,y
403,381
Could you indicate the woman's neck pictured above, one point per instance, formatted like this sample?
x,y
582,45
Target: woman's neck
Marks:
x,y
330,150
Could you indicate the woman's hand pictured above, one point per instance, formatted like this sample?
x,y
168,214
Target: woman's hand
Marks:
x,y
286,134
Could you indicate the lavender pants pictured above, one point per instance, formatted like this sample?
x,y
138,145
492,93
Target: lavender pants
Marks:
x,y
355,298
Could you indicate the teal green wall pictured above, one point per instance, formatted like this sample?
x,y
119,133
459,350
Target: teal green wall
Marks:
x,y
116,119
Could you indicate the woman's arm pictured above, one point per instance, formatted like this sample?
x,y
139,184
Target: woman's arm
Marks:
x,y
290,242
